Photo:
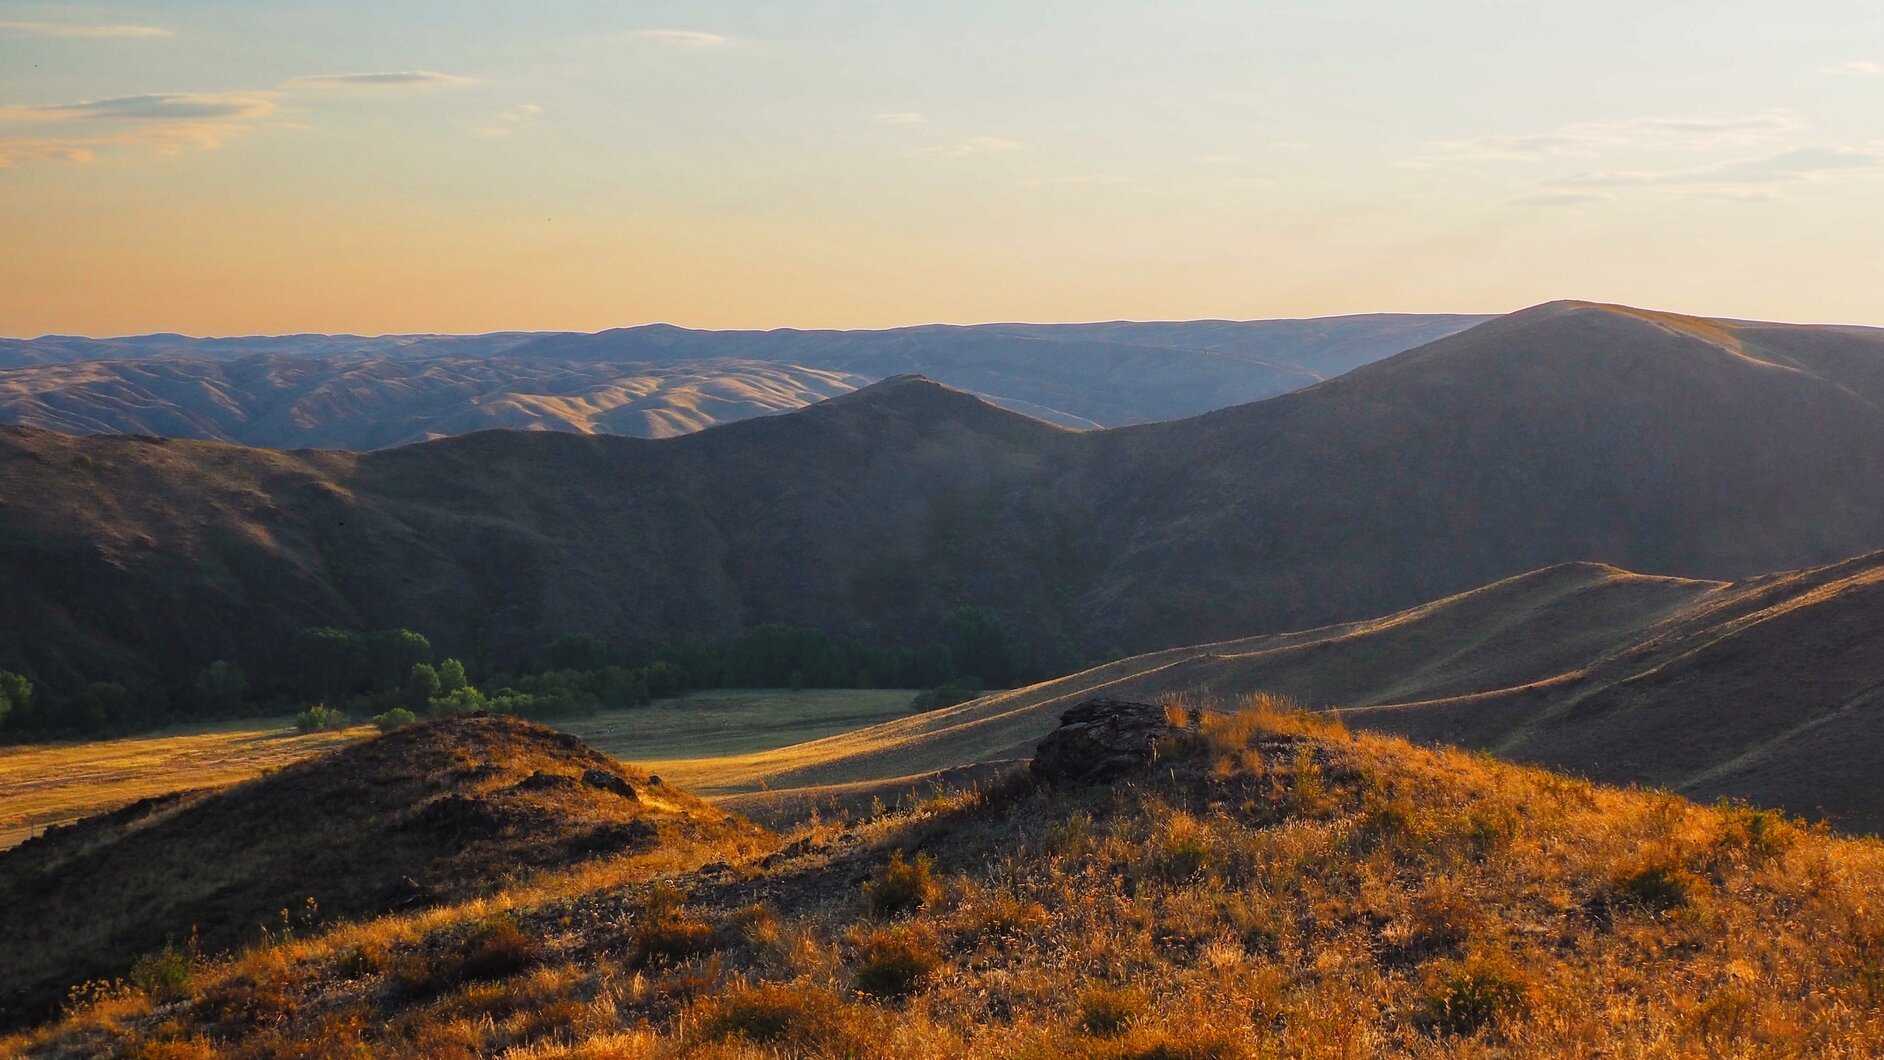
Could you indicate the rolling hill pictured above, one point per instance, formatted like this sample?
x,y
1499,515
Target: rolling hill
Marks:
x,y
1239,885
350,392
432,814
301,402
1766,689
1568,432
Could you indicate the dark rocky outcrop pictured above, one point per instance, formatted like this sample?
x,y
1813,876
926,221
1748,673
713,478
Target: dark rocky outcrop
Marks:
x,y
609,782
1100,740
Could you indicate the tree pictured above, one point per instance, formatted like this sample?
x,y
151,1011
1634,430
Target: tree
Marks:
x,y
329,662
16,696
980,646
220,687
422,683
461,700
393,653
451,676
102,704
578,651
665,680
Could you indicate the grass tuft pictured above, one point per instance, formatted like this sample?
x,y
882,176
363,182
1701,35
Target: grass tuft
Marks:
x,y
903,886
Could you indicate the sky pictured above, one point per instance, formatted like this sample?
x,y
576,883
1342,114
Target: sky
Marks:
x,y
257,166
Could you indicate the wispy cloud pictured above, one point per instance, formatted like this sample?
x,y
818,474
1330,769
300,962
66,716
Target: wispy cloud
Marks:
x,y
168,122
1593,138
16,150
81,30
386,79
902,117
1785,167
155,107
974,145
683,38
509,120
1858,68
1758,179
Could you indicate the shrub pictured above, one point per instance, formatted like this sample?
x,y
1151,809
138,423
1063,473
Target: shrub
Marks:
x,y
1463,997
320,718
498,949
163,975
1108,1011
666,931
946,695
1183,849
672,938
1656,888
903,886
894,962
794,1019
396,718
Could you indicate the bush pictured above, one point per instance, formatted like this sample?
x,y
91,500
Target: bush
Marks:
x,y
497,950
163,975
1463,997
396,718
903,886
895,962
667,932
793,1019
1108,1011
1656,888
945,695
320,718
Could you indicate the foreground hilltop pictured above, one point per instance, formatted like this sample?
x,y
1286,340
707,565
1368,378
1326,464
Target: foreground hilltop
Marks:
x,y
1568,432
1266,884
1764,689
440,812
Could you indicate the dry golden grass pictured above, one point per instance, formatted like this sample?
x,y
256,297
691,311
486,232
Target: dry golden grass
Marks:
x,y
723,740
1277,886
49,784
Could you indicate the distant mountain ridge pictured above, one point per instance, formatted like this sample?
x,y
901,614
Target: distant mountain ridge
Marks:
x,y
1567,432
352,392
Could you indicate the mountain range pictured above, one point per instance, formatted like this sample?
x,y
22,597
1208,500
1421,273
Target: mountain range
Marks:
x,y
1568,432
350,392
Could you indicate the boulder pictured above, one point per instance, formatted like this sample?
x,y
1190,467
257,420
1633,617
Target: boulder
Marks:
x,y
1100,740
603,779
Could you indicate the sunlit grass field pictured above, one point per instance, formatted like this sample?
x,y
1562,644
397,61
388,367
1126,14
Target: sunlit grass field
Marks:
x,y
701,741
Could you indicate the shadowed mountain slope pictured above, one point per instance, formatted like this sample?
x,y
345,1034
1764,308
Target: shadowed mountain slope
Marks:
x,y
1567,432
434,813
1769,689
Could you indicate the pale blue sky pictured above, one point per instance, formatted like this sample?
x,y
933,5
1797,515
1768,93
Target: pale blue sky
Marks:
x,y
218,167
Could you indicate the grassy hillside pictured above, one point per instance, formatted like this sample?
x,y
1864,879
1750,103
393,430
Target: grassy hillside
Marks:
x,y
708,742
435,812
1569,432
1763,689
54,784
1272,886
